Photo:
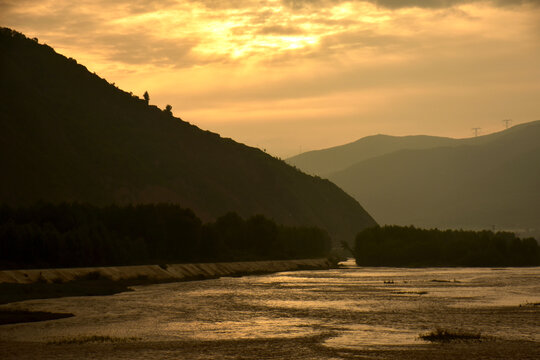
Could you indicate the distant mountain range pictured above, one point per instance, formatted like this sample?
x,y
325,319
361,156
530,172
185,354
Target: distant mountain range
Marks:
x,y
490,181
327,161
68,135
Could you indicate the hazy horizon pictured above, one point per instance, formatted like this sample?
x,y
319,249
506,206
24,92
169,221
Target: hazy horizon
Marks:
x,y
293,76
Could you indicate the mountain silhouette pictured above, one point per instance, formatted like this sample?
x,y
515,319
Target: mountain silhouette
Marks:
x,y
327,161
481,182
324,162
68,135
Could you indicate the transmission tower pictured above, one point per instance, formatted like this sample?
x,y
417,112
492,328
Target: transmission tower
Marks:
x,y
475,131
507,122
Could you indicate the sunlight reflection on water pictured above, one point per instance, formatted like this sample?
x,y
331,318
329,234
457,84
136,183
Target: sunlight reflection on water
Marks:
x,y
253,328
363,336
351,307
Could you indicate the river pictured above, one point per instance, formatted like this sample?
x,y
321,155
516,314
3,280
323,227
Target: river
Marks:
x,y
351,312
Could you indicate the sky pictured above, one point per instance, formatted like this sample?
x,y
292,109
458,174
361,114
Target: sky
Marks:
x,y
295,75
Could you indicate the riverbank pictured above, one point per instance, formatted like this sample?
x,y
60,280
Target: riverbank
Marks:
x,y
19,285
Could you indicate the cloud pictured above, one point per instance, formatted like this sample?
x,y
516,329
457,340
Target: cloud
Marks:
x,y
399,4
438,4
390,64
93,27
142,48
227,4
353,39
141,6
279,30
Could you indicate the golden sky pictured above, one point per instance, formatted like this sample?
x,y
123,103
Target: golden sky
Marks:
x,y
296,75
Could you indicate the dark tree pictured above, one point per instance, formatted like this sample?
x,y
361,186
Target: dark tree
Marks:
x,y
168,109
146,97
410,246
70,235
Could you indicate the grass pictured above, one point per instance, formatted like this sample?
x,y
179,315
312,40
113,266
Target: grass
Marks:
x,y
78,340
443,336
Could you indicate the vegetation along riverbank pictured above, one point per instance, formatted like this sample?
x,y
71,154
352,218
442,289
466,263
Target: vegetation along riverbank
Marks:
x,y
62,235
407,246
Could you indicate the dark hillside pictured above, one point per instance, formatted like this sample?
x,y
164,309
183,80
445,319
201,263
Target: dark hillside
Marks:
x,y
68,135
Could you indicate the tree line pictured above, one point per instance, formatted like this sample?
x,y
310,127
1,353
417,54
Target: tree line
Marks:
x,y
74,235
408,246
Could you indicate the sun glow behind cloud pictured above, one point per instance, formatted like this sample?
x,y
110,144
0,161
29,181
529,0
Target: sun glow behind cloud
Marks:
x,y
319,72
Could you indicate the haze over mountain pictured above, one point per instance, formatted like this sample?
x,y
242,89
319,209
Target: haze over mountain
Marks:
x,y
68,135
480,182
326,161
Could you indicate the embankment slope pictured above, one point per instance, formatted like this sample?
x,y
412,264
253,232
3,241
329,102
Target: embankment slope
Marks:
x,y
161,273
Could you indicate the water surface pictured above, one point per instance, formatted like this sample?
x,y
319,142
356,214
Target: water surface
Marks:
x,y
327,314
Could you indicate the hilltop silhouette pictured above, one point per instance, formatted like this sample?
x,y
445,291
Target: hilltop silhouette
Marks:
x,y
68,135
327,161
